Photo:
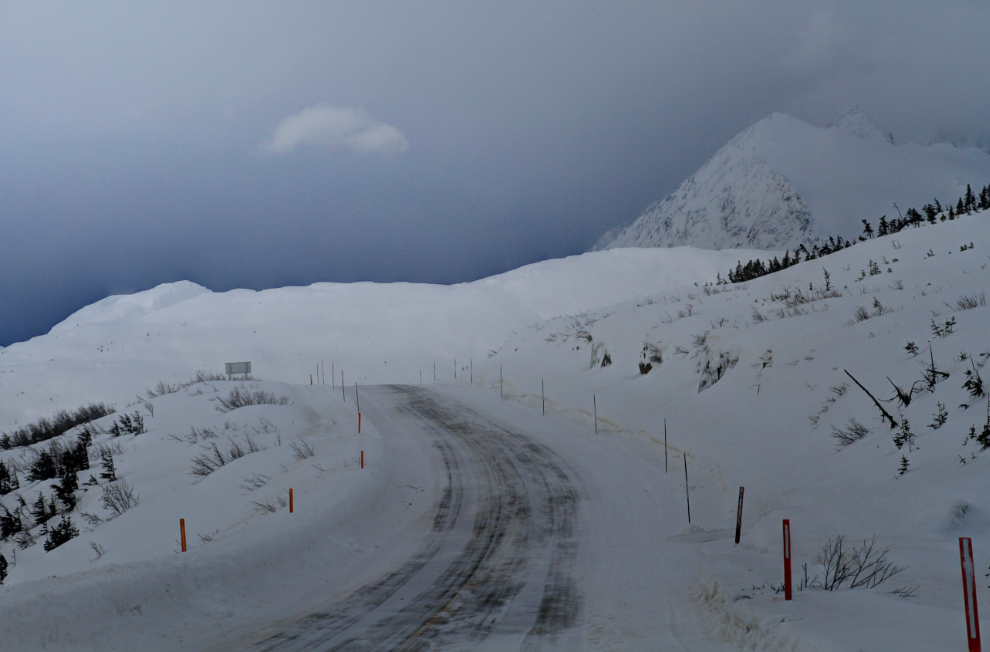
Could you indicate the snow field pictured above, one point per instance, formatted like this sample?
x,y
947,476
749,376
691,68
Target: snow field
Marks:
x,y
753,427
242,559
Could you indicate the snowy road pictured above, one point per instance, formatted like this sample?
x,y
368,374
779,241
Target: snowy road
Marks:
x,y
526,551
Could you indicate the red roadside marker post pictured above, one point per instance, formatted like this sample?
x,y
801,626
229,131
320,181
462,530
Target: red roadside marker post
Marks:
x,y
291,504
739,515
182,532
969,591
787,559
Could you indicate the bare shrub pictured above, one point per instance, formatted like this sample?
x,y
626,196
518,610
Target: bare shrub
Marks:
x,y
163,388
860,314
264,507
970,301
839,389
865,567
118,497
239,398
195,434
266,426
206,463
256,481
97,549
852,432
301,450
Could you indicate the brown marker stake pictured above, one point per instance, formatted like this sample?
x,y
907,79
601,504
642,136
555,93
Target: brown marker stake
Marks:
x,y
359,423
739,515
182,531
291,506
362,459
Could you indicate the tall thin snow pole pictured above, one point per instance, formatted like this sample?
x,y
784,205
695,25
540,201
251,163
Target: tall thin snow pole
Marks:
x,y
455,368
665,467
434,371
687,489
472,371
543,395
500,381
357,397
342,386
333,376
594,400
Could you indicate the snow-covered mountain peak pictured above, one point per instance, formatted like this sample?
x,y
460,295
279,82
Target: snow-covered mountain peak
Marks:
x,y
782,182
132,306
858,124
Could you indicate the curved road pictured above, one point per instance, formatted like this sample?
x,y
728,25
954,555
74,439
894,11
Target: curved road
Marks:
x,y
525,551
500,559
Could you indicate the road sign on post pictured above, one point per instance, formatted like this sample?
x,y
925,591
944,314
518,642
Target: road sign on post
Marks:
x,y
969,591
787,559
237,368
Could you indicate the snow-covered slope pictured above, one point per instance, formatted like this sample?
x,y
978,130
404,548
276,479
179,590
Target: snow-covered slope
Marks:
x,y
783,182
372,332
747,383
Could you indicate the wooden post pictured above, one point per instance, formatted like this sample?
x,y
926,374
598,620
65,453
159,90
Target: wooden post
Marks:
x,y
969,593
182,532
472,371
359,423
665,467
291,505
362,459
739,515
687,489
311,379
543,396
787,559
594,400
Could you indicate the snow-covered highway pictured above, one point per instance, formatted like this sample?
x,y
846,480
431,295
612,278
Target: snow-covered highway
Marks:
x,y
540,538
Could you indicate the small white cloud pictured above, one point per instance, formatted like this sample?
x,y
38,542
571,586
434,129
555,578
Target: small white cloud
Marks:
x,y
331,126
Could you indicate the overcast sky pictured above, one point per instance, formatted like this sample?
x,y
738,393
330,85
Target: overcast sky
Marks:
x,y
262,144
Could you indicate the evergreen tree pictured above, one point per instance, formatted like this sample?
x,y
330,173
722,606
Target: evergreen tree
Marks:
x,y
106,459
902,469
3,568
66,488
4,479
970,200
867,229
10,523
61,533
43,467
883,228
39,511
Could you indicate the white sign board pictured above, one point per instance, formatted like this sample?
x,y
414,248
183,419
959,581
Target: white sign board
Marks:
x,y
237,368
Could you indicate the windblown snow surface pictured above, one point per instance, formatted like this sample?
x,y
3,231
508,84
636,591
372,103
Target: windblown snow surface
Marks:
x,y
750,380
783,182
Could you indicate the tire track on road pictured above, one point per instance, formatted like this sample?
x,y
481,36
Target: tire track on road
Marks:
x,y
500,559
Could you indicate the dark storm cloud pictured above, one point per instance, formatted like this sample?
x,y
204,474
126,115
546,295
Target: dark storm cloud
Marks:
x,y
262,144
